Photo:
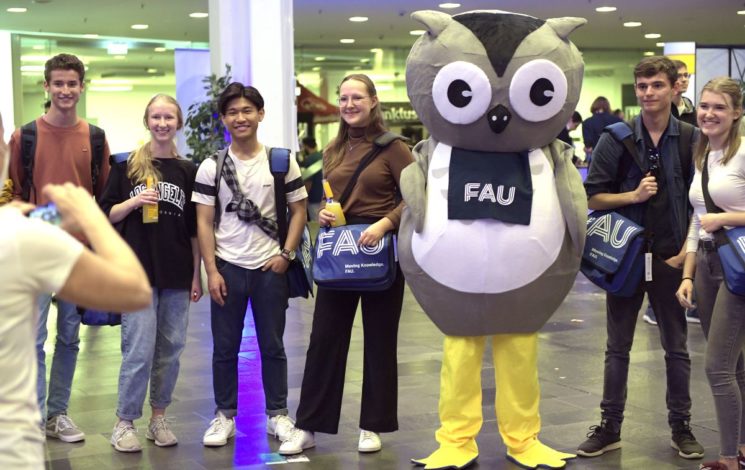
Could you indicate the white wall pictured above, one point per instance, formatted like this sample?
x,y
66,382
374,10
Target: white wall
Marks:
x,y
120,115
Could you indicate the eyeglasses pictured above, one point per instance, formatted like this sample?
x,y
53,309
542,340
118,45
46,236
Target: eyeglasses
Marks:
x,y
355,99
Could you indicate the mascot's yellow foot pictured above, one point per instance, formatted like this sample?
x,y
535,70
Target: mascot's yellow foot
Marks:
x,y
447,457
540,455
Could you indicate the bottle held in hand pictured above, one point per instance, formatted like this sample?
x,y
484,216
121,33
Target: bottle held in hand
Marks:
x,y
150,211
333,206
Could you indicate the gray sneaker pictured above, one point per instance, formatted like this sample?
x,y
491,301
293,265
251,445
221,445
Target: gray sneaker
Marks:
x,y
62,427
159,432
124,437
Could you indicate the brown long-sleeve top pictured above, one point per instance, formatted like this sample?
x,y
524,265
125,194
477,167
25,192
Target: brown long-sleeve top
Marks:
x,y
374,195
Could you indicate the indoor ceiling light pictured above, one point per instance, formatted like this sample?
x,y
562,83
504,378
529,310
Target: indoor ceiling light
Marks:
x,y
417,32
649,53
449,5
111,81
152,70
160,49
32,68
320,59
198,14
605,9
16,10
91,36
364,61
110,88
316,69
632,24
741,12
34,58
139,26
117,48
358,19
652,35
38,47
375,50
346,41
660,44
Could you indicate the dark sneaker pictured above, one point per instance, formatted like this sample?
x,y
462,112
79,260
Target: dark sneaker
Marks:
x,y
601,439
684,442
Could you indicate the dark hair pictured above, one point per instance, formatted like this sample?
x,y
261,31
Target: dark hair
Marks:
x,y
679,64
576,117
310,142
651,66
238,90
376,126
601,103
64,62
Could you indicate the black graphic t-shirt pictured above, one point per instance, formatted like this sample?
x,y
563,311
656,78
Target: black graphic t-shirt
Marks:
x,y
163,248
490,185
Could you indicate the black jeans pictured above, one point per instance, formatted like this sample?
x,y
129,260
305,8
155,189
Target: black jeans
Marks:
x,y
622,313
323,380
268,292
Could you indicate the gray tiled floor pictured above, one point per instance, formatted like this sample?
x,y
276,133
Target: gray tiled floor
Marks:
x,y
571,359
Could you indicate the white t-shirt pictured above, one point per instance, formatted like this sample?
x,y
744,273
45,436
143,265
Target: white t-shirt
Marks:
x,y
726,188
238,242
35,257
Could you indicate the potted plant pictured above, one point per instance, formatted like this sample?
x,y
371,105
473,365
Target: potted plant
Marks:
x,y
205,133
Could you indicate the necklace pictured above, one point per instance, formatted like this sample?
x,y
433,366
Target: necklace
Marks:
x,y
351,146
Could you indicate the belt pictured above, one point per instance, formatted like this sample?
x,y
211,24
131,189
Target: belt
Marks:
x,y
707,245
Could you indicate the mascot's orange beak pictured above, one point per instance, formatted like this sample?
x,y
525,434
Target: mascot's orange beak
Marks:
x,y
498,117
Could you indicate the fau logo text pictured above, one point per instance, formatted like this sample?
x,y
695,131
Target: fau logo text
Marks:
x,y
601,227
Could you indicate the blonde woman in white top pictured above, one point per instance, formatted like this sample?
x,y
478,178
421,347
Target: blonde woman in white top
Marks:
x,y
722,313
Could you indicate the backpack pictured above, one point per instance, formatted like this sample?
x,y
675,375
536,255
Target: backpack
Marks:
x,y
28,155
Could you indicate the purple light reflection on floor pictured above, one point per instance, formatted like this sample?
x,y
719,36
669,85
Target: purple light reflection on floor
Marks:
x,y
251,439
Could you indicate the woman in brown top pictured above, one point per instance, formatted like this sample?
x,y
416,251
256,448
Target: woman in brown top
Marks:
x,y
372,201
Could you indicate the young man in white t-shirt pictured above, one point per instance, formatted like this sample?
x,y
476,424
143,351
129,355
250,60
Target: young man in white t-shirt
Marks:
x,y
38,257
244,260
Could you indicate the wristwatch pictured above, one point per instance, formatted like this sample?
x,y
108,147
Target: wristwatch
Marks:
x,y
287,254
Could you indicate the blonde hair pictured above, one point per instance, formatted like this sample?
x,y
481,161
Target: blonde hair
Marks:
x,y
334,153
727,87
140,165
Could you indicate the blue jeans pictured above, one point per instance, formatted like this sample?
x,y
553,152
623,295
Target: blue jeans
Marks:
x,y
65,358
621,314
152,342
723,321
268,293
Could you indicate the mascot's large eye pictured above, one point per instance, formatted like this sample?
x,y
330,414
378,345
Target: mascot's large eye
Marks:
x,y
538,90
461,92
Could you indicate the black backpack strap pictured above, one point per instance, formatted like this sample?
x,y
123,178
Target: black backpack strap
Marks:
x,y
711,208
219,157
98,144
379,144
623,133
28,153
279,165
685,141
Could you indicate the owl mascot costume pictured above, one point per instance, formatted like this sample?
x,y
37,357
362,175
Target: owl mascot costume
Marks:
x,y
494,227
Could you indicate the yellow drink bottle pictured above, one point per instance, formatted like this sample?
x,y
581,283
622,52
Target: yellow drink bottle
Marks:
x,y
333,206
150,211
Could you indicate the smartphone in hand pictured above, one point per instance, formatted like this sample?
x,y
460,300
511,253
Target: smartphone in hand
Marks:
x,y
47,213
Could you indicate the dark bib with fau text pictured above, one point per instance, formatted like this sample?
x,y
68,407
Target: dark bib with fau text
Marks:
x,y
490,185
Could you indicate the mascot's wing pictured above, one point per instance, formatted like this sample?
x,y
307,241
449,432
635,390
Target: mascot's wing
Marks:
x,y
414,182
572,196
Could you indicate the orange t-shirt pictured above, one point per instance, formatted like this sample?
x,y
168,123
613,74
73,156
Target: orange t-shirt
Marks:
x,y
63,155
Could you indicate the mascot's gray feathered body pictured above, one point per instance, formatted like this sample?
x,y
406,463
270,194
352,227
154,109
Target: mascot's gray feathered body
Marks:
x,y
494,225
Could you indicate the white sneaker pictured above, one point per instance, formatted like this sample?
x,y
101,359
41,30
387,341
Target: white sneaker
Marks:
x,y
221,429
369,441
124,437
280,426
297,441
